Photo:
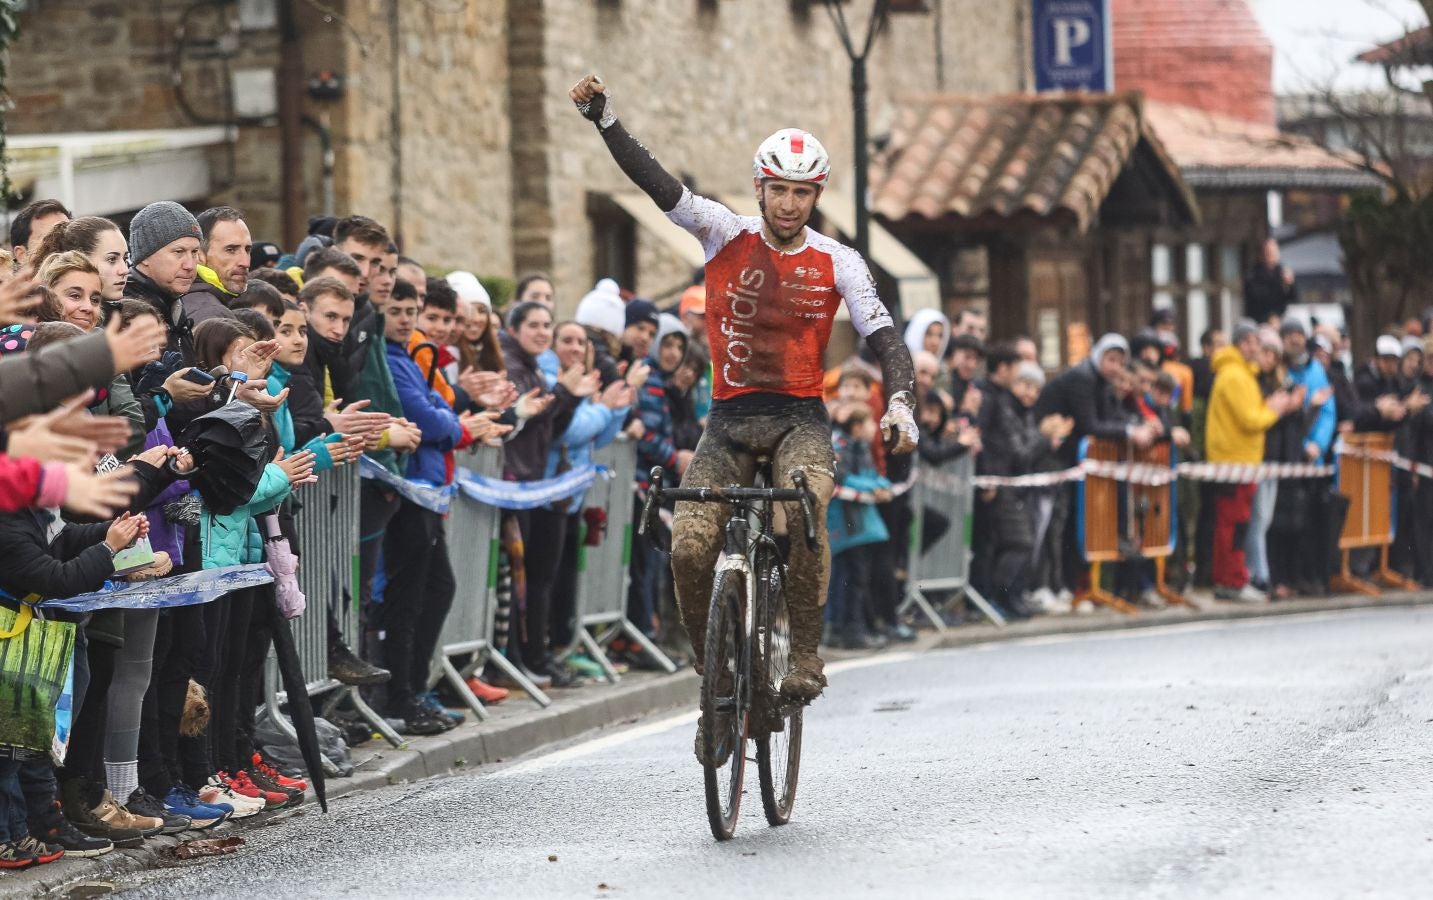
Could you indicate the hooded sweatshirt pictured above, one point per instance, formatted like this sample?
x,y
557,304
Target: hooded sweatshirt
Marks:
x,y
658,445
917,327
1082,393
1237,417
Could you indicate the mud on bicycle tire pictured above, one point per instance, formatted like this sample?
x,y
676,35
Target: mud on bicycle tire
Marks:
x,y
778,754
726,650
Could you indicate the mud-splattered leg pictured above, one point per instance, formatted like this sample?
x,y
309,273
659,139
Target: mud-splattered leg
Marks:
x,y
806,447
697,528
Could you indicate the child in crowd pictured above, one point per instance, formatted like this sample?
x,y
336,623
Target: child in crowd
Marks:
x,y
853,390
47,558
856,528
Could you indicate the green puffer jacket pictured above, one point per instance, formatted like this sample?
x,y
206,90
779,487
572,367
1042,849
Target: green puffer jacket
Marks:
x,y
235,539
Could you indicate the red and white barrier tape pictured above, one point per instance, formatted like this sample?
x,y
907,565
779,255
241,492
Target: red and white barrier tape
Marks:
x,y
1148,474
1219,473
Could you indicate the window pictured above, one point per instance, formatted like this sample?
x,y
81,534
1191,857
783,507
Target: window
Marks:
x,y
1048,331
1196,311
1159,265
1229,269
1194,263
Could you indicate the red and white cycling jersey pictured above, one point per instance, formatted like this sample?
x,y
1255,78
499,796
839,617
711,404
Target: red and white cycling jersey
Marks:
x,y
769,311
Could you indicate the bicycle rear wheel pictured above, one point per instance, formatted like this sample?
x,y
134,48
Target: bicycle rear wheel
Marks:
x,y
725,701
778,752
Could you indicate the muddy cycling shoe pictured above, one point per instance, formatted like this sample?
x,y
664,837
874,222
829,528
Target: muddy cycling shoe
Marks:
x,y
805,681
722,750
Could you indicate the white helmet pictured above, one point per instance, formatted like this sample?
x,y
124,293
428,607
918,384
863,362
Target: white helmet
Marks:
x,y
792,155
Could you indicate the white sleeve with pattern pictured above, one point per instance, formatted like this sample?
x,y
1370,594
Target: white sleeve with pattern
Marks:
x,y
858,289
707,220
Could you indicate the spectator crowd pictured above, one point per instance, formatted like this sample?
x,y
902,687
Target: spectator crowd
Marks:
x,y
345,347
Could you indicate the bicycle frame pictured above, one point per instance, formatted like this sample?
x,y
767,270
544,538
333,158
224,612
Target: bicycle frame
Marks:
x,y
752,637
740,550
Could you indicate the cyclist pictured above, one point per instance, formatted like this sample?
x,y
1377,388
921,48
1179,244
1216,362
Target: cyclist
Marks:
x,y
773,288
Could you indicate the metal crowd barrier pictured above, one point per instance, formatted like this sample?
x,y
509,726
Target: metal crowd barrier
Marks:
x,y
473,533
326,522
604,571
944,566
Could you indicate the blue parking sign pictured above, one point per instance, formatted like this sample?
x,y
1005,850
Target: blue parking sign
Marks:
x,y
1071,45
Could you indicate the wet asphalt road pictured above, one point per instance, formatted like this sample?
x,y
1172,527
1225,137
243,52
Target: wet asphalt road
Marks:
x,y
1274,758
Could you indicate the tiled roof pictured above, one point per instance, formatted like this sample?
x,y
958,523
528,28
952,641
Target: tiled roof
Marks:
x,y
993,158
1215,151
1412,49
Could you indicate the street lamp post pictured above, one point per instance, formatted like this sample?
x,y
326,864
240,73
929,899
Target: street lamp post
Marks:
x,y
880,12
858,106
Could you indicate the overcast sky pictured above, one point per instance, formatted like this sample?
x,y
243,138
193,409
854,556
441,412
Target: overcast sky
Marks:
x,y
1316,40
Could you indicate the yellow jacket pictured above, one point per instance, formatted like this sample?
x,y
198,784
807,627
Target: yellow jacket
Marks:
x,y
1238,417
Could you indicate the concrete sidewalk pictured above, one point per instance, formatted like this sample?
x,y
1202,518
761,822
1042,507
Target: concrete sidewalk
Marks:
x,y
518,726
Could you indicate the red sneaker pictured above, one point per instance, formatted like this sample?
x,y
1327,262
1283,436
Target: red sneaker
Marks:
x,y
487,693
278,777
241,784
238,786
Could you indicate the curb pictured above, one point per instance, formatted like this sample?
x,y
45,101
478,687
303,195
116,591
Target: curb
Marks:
x,y
517,726
514,728
1202,609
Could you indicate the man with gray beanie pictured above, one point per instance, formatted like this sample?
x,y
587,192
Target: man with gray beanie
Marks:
x,y
164,257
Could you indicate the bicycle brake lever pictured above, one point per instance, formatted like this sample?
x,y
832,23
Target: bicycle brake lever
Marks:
x,y
807,511
653,490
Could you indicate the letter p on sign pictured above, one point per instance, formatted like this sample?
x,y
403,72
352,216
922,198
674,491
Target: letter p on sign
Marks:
x,y
1069,34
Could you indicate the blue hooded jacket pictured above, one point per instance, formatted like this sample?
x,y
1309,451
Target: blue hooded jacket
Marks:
x,y
657,446
593,427
1313,377
426,408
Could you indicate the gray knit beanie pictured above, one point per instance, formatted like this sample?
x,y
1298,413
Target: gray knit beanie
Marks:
x,y
157,226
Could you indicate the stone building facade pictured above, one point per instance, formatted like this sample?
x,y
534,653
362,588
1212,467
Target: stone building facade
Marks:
x,y
494,170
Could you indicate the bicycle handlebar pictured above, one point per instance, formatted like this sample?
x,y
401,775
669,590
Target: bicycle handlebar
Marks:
x,y
733,494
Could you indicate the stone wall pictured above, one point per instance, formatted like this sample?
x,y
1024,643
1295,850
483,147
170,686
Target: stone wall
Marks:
x,y
701,83
81,65
453,208
497,166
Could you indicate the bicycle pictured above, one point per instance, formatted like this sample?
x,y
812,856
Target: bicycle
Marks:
x,y
748,632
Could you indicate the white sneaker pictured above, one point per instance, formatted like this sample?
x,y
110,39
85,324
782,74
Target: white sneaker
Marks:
x,y
1151,599
1250,594
216,791
1085,607
1042,599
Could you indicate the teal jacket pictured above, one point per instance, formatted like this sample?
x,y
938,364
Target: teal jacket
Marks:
x,y
234,539
278,379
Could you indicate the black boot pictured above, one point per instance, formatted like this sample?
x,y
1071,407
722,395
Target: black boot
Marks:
x,y
346,667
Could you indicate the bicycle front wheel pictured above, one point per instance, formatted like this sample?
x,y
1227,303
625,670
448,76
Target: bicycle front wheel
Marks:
x,y
778,748
725,702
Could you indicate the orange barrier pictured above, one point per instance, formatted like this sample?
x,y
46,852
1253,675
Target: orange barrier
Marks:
x,y
1126,521
1365,478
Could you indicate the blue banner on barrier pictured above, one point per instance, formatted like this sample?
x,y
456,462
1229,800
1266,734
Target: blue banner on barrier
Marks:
x,y
430,497
527,494
164,593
